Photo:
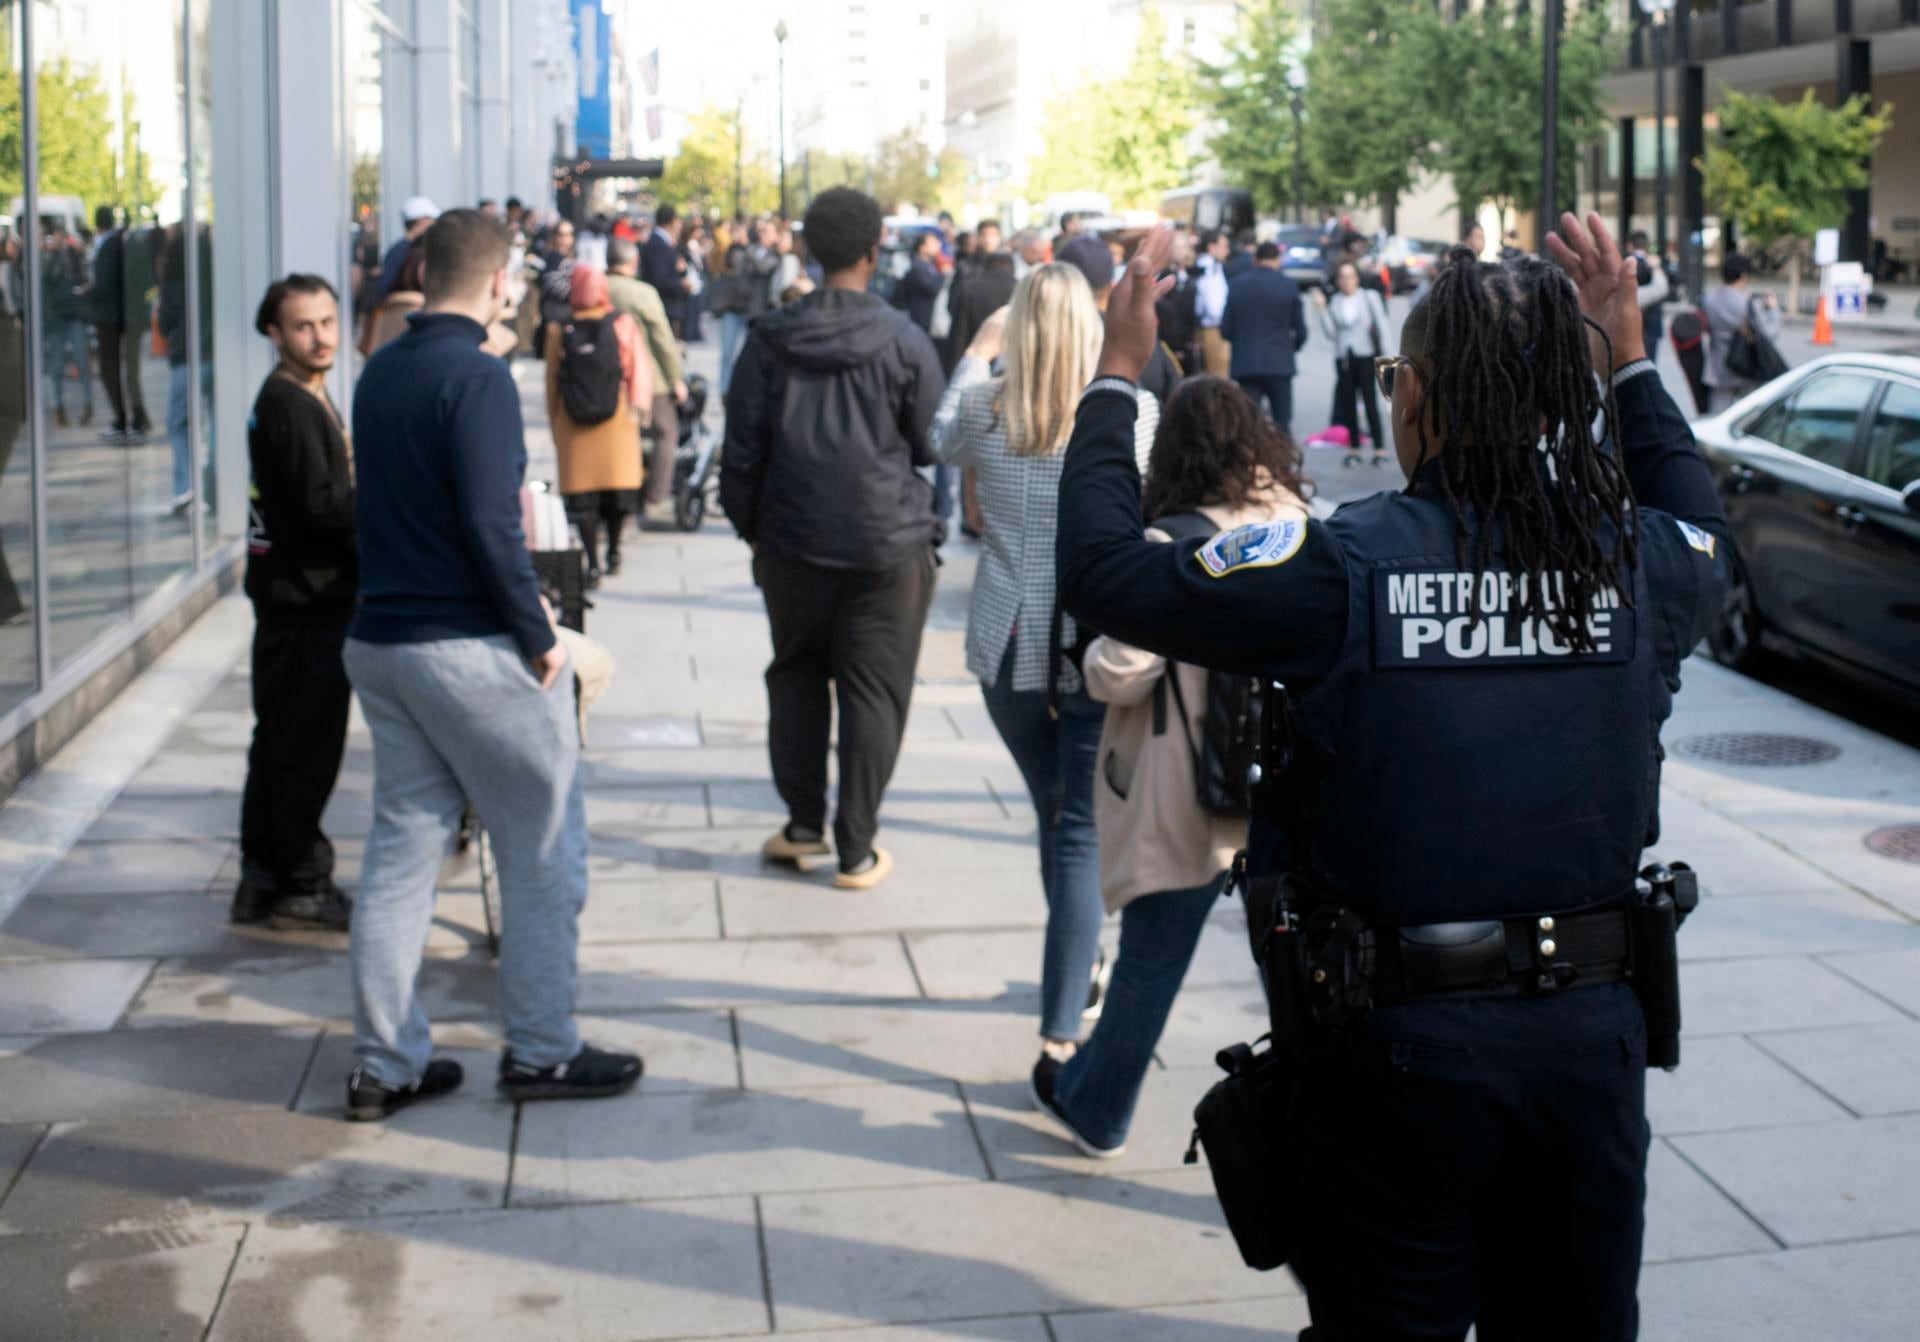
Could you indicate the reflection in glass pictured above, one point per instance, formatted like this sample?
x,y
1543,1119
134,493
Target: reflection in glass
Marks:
x,y
17,665
364,39
112,162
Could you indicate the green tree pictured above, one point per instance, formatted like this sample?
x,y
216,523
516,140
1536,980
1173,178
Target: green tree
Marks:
x,y
1369,125
702,172
1781,171
1487,112
1247,96
75,141
906,171
1125,135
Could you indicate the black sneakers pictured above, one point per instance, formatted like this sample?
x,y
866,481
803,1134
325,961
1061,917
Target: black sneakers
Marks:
x,y
327,909
592,1073
369,1101
253,897
1046,1074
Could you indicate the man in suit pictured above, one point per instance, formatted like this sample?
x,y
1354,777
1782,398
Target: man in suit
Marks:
x,y
920,286
662,267
1266,324
119,346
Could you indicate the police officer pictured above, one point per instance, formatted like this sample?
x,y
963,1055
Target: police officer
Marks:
x,y
1482,662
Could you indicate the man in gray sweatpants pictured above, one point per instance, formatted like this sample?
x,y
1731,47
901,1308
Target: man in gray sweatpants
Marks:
x,y
468,695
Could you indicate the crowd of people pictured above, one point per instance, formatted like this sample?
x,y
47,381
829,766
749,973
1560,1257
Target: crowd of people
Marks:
x,y
1120,413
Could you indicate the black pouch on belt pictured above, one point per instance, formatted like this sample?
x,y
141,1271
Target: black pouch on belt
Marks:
x,y
1242,1122
1656,961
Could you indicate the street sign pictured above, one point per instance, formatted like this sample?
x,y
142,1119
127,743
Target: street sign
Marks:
x,y
1826,246
1847,286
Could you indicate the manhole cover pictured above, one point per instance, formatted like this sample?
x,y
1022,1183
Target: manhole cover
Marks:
x,y
1756,749
1899,842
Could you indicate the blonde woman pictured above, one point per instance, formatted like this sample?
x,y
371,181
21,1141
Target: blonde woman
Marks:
x,y
1011,427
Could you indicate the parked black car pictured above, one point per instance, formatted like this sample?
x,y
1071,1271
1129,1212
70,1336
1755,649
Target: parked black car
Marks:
x,y
1820,474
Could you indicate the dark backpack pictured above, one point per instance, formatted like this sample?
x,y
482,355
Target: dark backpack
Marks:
x,y
589,375
1228,745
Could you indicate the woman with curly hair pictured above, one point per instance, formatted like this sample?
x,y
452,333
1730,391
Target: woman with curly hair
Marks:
x,y
1162,856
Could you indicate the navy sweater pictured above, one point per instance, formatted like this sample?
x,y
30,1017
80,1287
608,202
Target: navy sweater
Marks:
x,y
440,457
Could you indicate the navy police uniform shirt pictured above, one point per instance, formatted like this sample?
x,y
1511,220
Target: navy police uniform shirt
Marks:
x,y
1466,762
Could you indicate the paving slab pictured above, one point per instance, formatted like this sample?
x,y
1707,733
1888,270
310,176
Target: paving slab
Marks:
x,y
787,904
1269,1320
61,996
145,816
17,1141
296,990
1742,996
1806,923
587,1274
791,1047
1833,1181
1205,1020
163,1171
1687,1217
638,810
1851,1291
136,868
128,1074
1021,1144
177,772
717,1142
1743,866
742,973
1727,1081
956,799
1023,1328
1895,975
910,1255
683,1051
56,927
1872,1069
82,1288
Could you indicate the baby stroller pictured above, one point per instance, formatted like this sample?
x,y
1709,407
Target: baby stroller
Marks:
x,y
696,459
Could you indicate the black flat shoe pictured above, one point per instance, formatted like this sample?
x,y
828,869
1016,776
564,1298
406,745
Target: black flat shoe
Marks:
x,y
613,563
591,1074
369,1100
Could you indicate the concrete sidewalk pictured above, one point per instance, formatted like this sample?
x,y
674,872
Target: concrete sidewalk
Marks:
x,y
833,1136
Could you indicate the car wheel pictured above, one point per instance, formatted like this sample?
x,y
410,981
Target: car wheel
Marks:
x,y
1735,639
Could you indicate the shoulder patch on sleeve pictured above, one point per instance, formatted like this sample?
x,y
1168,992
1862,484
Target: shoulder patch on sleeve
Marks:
x,y
1258,545
1703,541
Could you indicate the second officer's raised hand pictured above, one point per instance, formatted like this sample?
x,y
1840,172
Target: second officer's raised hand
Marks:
x,y
1608,285
1133,331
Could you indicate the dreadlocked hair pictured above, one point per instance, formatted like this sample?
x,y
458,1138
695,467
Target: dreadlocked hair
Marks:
x,y
1509,380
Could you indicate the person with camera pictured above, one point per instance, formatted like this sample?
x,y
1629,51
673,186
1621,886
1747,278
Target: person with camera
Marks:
x,y
1480,666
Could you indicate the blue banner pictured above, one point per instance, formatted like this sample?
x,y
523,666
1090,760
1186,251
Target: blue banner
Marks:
x,y
593,52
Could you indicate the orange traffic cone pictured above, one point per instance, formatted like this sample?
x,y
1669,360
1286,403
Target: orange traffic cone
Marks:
x,y
1822,327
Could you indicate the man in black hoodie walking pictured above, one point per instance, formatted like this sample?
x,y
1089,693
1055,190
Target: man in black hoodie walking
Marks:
x,y
827,419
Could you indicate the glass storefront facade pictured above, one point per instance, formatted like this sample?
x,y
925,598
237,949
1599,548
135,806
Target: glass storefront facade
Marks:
x,y
161,161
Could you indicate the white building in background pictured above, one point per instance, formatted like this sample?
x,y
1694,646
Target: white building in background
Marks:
x,y
1007,60
861,71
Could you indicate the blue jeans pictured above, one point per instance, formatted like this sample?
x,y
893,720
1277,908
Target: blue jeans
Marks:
x,y
455,721
179,396
1100,1084
67,344
733,333
1057,760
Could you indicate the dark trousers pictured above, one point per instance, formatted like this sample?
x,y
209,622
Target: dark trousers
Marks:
x,y
1475,1163
300,702
589,511
122,376
1277,392
860,633
1353,381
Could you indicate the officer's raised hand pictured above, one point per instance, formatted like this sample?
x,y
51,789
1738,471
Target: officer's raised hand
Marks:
x,y
1133,331
1609,289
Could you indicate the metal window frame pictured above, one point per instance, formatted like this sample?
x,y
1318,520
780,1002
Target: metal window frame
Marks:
x,y
36,396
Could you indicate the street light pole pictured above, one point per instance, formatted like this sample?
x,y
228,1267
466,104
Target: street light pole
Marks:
x,y
1657,12
1551,17
780,38
739,194
1299,153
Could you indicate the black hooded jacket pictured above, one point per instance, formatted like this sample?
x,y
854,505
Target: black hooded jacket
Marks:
x,y
827,417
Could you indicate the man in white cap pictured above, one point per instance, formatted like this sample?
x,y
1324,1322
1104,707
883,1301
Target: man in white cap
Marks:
x,y
418,215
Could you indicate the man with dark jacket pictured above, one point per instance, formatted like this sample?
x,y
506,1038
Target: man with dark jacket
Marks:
x,y
303,569
1266,323
1094,259
827,419
662,266
987,289
119,344
920,286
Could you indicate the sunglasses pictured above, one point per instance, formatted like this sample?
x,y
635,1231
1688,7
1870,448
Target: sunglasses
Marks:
x,y
1383,370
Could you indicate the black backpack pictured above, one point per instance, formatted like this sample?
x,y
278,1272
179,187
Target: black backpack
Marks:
x,y
590,370
1228,745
